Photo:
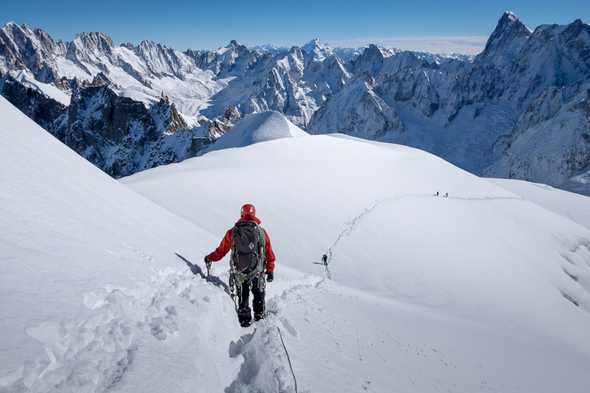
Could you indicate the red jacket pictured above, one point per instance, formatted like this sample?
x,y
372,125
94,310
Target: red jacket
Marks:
x,y
227,243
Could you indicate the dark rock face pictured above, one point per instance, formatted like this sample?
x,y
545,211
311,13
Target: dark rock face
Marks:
x,y
117,134
122,136
48,113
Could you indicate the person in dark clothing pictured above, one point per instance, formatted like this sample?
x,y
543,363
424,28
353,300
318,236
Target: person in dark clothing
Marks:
x,y
257,286
250,263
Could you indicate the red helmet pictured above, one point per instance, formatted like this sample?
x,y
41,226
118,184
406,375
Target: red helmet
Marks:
x,y
248,210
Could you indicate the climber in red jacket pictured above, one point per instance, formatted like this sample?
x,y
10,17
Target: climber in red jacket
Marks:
x,y
252,258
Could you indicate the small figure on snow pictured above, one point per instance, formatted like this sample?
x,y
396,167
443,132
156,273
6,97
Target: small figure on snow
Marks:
x,y
446,194
437,194
325,260
252,258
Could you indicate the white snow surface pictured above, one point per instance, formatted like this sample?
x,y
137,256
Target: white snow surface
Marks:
x,y
256,128
482,290
88,274
28,79
465,293
574,206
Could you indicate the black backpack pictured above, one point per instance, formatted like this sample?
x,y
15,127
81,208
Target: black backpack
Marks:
x,y
248,252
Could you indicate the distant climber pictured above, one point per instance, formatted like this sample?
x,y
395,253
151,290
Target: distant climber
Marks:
x,y
252,258
325,260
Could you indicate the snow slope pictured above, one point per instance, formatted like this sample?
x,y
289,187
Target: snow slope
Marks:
x,y
574,206
473,292
483,290
255,128
88,280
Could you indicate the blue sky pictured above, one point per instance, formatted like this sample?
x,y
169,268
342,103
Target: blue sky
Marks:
x,y
196,24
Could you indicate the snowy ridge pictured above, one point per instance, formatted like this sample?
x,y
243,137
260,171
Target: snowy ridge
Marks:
x,y
78,299
409,271
256,128
567,204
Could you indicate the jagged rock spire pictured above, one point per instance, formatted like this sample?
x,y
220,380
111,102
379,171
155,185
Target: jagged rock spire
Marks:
x,y
508,36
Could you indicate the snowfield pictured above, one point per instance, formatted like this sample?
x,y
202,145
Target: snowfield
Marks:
x,y
482,290
571,205
88,274
256,128
482,260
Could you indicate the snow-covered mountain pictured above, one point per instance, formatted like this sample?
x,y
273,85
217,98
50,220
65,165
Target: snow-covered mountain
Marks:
x,y
89,275
143,72
482,290
256,128
417,280
519,109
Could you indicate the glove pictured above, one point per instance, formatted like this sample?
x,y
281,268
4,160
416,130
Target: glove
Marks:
x,y
270,276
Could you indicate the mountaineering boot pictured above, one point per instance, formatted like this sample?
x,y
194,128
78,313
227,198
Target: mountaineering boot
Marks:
x,y
258,287
245,316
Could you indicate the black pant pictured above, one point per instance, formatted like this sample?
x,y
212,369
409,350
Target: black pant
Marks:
x,y
257,287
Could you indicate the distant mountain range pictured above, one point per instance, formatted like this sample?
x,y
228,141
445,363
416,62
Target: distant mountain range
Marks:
x,y
519,109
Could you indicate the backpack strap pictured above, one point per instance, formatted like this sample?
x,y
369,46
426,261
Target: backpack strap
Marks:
x,y
262,249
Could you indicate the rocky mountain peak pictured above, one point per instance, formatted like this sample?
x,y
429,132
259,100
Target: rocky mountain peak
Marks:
x,y
149,46
128,45
312,45
233,44
369,61
508,36
577,29
94,41
508,17
14,28
23,35
317,50
22,47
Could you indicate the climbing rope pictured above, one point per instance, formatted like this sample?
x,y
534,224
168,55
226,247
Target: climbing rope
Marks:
x,y
288,358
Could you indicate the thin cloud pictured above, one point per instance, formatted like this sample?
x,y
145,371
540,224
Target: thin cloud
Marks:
x,y
468,45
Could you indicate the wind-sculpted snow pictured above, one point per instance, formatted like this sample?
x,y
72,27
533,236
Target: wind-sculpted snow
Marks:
x,y
256,128
98,353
